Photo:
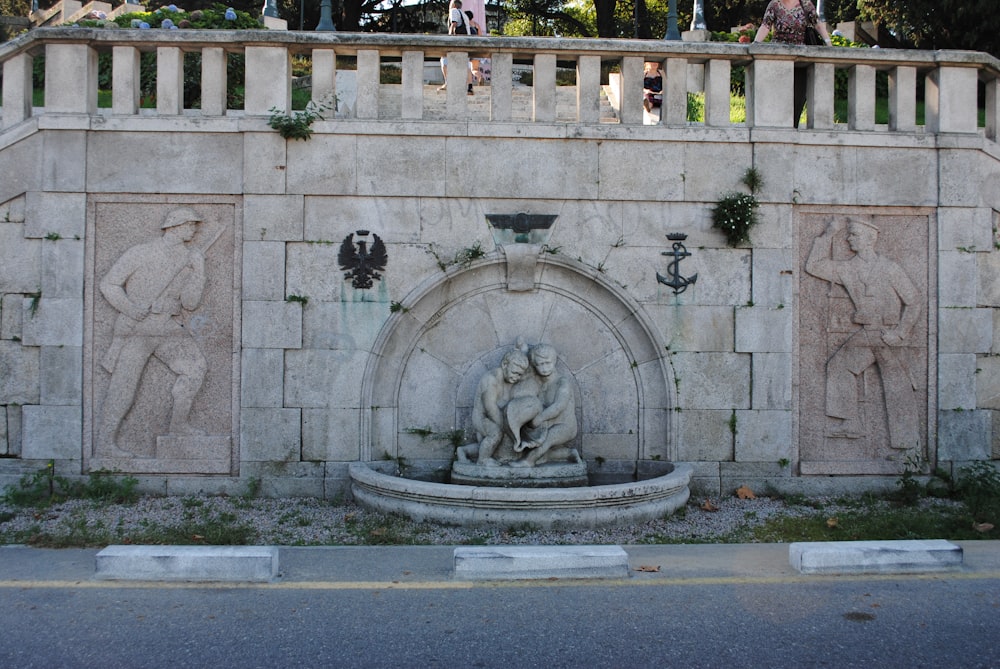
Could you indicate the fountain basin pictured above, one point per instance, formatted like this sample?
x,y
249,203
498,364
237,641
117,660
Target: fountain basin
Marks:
x,y
375,486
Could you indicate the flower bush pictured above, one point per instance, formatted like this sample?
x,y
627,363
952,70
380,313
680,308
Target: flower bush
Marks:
x,y
217,17
734,215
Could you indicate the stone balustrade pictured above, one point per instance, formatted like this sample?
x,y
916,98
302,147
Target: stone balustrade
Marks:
x,y
950,91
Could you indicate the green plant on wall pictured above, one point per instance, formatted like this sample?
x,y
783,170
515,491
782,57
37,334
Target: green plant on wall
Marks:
x,y
735,214
298,125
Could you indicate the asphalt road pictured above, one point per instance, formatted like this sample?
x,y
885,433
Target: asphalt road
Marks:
x,y
707,606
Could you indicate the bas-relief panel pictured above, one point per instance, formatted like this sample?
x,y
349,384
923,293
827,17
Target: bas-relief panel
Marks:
x,y
160,363
863,342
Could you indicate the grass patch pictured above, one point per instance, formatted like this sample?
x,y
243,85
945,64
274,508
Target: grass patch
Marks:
x,y
383,530
954,523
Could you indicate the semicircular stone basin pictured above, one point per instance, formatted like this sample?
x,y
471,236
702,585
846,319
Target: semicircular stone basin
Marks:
x,y
376,486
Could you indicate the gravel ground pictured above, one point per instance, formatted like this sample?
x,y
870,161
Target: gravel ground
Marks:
x,y
316,522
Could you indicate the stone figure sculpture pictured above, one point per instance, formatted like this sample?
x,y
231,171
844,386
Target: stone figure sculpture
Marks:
x,y
887,308
531,406
150,286
492,396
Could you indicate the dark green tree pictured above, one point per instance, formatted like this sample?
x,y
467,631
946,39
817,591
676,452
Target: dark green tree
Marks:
x,y
938,24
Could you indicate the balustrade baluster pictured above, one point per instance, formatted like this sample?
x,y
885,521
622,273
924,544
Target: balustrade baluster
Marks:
x,y
993,109
630,95
903,99
413,85
214,67
169,80
369,74
458,67
861,98
324,78
588,89
819,96
718,72
125,80
502,87
675,91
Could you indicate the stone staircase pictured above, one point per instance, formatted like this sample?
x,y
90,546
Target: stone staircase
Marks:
x,y
69,11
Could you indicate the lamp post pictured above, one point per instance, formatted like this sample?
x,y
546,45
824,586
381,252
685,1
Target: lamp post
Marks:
x,y
698,16
672,32
325,17
820,10
271,9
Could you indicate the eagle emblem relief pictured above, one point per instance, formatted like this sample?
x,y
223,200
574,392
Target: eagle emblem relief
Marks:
x,y
362,266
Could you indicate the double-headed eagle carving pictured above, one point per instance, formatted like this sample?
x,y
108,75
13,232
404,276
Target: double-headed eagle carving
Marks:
x,y
360,265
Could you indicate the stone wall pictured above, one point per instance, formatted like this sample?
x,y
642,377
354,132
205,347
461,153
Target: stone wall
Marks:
x,y
293,370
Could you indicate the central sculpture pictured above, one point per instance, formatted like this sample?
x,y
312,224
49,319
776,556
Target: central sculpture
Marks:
x,y
524,416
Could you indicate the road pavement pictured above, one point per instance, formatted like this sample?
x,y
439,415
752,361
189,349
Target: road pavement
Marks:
x,y
682,606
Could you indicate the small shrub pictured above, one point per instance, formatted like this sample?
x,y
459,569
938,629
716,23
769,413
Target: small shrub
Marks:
x,y
45,487
979,488
736,213
297,125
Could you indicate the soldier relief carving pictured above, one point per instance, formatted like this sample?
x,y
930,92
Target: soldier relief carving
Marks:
x,y
162,343
863,344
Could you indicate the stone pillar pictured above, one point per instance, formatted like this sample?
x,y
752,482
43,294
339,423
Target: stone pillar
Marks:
x,y
413,85
268,79
770,101
502,87
214,82
125,80
861,98
16,89
70,79
674,111
950,97
820,96
992,109
588,89
458,66
368,84
630,96
543,89
903,99
717,75
324,76
169,80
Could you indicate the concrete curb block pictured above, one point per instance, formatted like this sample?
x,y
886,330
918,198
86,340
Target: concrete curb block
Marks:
x,y
874,557
540,562
188,563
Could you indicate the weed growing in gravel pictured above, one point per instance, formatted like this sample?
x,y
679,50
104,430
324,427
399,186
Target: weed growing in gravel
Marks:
x,y
45,487
383,530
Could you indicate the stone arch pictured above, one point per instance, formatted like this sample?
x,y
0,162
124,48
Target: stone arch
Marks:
x,y
462,318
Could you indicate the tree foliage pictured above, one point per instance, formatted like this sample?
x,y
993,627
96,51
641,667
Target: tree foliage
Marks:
x,y
939,24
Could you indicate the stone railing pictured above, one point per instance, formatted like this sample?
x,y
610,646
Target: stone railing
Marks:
x,y
951,93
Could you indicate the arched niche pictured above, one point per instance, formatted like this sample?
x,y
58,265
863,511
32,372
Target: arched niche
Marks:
x,y
455,326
